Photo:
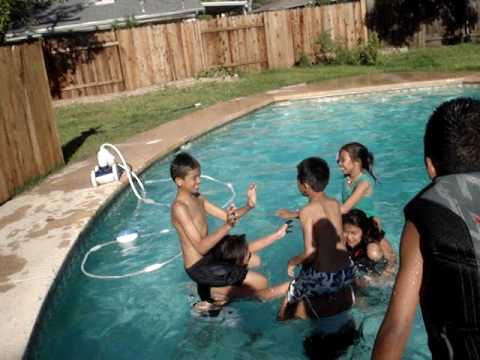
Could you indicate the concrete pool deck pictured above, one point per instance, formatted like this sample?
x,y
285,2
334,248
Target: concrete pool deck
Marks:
x,y
39,227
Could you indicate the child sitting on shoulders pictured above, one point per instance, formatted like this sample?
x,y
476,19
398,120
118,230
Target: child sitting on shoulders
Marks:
x,y
233,251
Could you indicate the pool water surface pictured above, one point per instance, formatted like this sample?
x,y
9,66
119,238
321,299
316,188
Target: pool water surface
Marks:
x,y
149,316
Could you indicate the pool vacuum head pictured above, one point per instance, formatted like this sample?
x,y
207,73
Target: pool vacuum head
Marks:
x,y
127,236
106,171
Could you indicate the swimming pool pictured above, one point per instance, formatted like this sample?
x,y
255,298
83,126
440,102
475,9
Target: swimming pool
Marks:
x,y
148,316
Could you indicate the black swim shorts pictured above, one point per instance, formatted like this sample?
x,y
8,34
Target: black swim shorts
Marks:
x,y
208,272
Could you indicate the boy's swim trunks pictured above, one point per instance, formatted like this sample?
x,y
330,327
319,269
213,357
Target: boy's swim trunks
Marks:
x,y
311,283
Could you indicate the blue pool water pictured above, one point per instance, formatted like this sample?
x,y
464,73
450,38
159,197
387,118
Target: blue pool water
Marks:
x,y
149,316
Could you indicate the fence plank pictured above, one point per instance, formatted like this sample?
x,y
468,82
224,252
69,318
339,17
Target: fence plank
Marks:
x,y
279,40
29,143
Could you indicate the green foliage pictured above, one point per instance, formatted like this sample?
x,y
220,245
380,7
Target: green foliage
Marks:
x,y
19,12
396,21
325,42
329,51
217,72
368,54
205,17
304,61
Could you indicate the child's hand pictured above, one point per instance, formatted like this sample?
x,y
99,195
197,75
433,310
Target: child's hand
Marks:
x,y
252,196
281,231
291,269
286,214
231,216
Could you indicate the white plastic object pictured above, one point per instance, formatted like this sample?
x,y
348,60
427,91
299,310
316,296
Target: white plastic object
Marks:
x,y
105,157
127,236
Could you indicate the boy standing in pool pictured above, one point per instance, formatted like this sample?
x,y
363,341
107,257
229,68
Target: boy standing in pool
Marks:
x,y
440,244
189,211
322,286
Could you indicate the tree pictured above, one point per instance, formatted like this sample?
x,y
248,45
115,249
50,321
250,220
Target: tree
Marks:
x,y
397,20
18,13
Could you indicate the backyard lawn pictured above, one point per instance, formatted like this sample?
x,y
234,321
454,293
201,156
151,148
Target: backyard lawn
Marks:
x,y
119,119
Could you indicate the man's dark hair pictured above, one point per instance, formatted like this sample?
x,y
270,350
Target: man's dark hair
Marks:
x,y
314,172
452,137
232,249
181,164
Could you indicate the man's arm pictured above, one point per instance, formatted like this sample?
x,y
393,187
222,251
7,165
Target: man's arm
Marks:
x,y
393,334
182,217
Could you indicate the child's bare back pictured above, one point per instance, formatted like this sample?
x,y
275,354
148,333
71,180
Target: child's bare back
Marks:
x,y
323,217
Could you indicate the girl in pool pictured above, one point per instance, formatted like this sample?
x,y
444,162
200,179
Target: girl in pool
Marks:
x,y
369,250
356,163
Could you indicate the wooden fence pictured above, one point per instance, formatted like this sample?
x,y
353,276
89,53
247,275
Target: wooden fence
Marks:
x,y
129,59
29,143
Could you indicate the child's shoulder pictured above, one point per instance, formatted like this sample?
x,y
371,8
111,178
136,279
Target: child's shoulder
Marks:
x,y
366,176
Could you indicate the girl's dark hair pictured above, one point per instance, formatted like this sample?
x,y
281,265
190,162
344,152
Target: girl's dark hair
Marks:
x,y
232,249
359,152
370,230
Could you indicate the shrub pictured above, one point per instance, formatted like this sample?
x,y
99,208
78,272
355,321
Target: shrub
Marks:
x,y
369,52
304,61
217,72
329,51
324,48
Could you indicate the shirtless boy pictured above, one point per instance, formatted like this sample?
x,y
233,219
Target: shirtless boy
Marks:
x,y
215,280
322,287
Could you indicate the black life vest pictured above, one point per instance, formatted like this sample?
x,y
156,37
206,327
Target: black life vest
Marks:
x,y
447,216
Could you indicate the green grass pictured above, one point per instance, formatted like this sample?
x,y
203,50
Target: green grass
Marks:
x,y
122,118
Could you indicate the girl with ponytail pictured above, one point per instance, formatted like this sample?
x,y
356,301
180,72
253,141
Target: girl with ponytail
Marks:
x,y
356,163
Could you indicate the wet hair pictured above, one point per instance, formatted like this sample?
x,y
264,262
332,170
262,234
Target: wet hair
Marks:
x,y
452,137
232,249
313,171
370,230
359,152
181,164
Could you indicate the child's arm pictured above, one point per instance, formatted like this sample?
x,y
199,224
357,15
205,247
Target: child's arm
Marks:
x,y
221,214
182,217
393,334
262,243
360,191
259,294
287,214
307,227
